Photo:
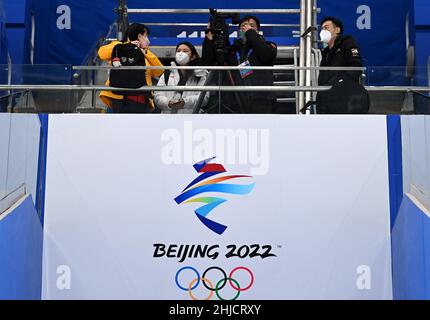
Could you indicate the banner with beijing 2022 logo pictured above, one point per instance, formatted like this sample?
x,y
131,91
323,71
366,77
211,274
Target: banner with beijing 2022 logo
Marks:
x,y
238,207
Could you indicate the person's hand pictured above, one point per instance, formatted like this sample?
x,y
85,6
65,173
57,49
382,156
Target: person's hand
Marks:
x,y
209,34
245,27
136,43
177,104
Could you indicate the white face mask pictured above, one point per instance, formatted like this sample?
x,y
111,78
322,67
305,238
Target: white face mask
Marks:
x,y
325,36
182,58
143,41
144,44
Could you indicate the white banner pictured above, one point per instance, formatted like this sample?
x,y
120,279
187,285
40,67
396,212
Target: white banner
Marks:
x,y
218,207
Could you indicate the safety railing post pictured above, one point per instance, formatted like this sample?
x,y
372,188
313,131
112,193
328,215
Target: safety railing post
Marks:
x,y
9,71
296,74
315,48
315,23
122,19
302,73
308,45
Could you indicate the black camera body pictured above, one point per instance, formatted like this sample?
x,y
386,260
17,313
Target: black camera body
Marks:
x,y
220,30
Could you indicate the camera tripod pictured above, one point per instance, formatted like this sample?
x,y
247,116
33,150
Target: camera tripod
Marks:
x,y
215,78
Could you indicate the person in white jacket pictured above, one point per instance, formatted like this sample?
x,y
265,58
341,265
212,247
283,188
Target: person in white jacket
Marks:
x,y
182,102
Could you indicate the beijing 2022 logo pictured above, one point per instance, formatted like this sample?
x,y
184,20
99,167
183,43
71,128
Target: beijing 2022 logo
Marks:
x,y
202,184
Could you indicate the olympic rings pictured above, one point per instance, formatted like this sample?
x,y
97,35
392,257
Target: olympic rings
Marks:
x,y
190,290
214,268
225,281
220,284
184,268
241,268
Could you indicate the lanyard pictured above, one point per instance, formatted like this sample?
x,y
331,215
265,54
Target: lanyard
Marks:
x,y
247,57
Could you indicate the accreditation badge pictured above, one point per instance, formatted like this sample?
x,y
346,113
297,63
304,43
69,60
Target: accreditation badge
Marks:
x,y
245,72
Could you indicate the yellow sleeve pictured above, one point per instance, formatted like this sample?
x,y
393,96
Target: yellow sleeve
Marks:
x,y
105,52
153,60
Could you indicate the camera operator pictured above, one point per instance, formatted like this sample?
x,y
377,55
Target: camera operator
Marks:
x,y
250,49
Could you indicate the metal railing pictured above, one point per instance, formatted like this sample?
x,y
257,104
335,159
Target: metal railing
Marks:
x,y
413,106
11,96
223,68
128,11
124,12
308,21
208,88
191,24
88,76
206,11
281,86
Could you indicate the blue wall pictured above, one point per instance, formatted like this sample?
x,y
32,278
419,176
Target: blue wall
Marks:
x,y
16,25
90,21
22,163
3,39
411,223
422,34
411,253
3,55
21,240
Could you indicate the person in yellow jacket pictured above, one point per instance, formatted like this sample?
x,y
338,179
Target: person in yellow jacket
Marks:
x,y
137,34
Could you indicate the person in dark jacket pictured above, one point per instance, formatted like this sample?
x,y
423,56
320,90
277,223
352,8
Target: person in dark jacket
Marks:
x,y
250,49
341,51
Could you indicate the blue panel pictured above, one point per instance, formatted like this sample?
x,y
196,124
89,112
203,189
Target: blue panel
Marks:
x,y
380,46
408,249
15,11
422,57
21,240
394,135
41,173
410,253
422,25
426,241
3,43
90,21
16,44
15,28
422,12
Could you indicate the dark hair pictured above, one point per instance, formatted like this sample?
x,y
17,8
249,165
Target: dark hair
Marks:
x,y
194,52
335,21
134,30
247,18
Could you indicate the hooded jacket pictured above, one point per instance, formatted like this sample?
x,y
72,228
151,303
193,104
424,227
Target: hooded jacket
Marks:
x,y
162,98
